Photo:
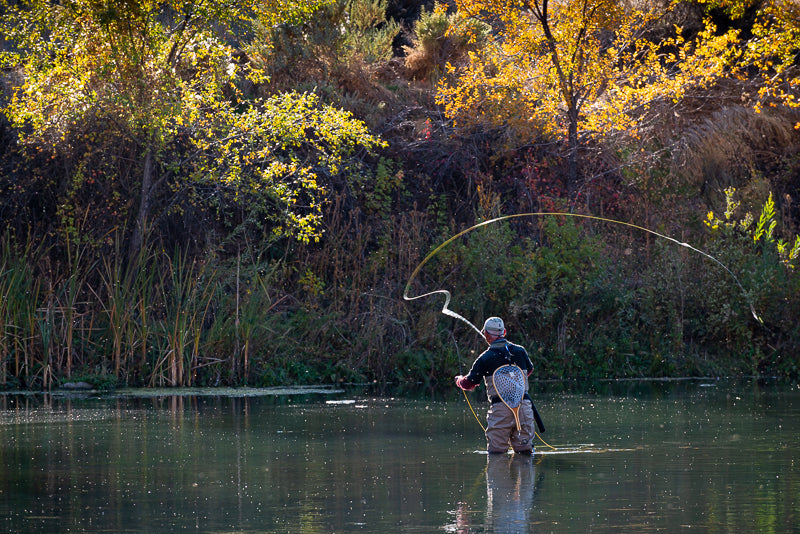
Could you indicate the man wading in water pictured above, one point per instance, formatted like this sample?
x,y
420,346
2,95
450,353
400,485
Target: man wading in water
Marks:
x,y
501,425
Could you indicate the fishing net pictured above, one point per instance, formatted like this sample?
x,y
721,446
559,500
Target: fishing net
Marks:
x,y
509,381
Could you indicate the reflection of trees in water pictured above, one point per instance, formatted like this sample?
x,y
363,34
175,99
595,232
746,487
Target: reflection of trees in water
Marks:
x,y
510,485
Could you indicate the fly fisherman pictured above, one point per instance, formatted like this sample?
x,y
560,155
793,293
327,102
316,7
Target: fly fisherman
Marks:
x,y
501,425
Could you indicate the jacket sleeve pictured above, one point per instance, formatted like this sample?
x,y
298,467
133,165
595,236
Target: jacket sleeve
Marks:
x,y
478,370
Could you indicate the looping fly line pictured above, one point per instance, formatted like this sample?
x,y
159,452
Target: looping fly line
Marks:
x,y
447,311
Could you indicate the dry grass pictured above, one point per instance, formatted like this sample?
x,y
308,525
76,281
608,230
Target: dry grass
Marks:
x,y
734,147
441,38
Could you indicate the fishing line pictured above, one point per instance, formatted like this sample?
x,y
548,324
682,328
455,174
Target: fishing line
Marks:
x,y
473,410
447,296
446,307
543,441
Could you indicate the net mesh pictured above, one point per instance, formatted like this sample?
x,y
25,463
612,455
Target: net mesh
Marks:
x,y
509,381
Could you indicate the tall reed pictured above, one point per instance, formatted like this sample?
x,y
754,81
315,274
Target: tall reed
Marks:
x,y
186,294
79,265
114,301
19,297
257,303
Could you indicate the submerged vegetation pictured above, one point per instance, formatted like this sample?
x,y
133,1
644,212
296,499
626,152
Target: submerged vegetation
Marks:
x,y
236,194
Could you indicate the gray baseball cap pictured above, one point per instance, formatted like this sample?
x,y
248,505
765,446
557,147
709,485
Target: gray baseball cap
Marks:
x,y
494,326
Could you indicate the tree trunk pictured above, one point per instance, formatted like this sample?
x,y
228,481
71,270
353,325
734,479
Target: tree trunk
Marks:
x,y
137,240
572,147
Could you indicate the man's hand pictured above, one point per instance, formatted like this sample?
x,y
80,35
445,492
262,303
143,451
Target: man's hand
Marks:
x,y
464,383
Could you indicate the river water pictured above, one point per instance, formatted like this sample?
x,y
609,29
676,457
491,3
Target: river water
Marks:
x,y
676,456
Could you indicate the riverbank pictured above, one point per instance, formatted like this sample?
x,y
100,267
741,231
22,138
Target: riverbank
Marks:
x,y
260,226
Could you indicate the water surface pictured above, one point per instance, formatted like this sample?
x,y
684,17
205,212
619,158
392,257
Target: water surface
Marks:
x,y
681,456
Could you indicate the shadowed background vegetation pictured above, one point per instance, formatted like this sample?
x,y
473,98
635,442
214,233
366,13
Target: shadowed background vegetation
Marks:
x,y
238,196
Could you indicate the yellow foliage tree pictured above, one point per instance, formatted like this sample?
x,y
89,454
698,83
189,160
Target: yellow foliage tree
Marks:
x,y
771,50
163,81
580,68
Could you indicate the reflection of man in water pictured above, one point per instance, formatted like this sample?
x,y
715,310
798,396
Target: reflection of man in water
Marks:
x,y
509,493
509,498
